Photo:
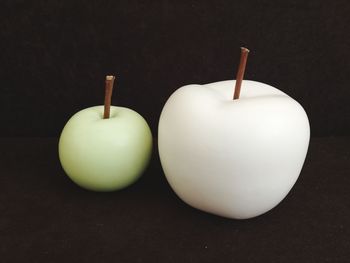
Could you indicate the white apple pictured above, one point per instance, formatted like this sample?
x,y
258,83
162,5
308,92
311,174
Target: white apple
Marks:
x,y
233,158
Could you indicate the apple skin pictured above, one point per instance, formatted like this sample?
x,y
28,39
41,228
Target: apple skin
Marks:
x,y
233,158
105,154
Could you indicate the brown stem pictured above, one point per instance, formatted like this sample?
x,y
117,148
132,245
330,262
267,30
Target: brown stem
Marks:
x,y
108,96
240,72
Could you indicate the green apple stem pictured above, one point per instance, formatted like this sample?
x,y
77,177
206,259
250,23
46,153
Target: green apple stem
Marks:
x,y
240,72
108,96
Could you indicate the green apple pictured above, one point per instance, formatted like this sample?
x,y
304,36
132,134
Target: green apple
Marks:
x,y
105,154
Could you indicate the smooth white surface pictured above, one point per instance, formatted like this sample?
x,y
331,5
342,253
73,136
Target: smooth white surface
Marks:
x,y
234,158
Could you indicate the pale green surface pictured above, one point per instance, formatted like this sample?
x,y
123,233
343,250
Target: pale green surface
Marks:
x,y
105,154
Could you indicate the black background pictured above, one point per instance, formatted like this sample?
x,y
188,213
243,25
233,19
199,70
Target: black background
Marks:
x,y
54,56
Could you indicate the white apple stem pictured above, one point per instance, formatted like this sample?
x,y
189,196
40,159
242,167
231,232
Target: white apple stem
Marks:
x,y
108,96
240,72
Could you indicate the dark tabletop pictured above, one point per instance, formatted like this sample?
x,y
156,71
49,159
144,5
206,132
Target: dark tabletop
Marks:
x,y
44,217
